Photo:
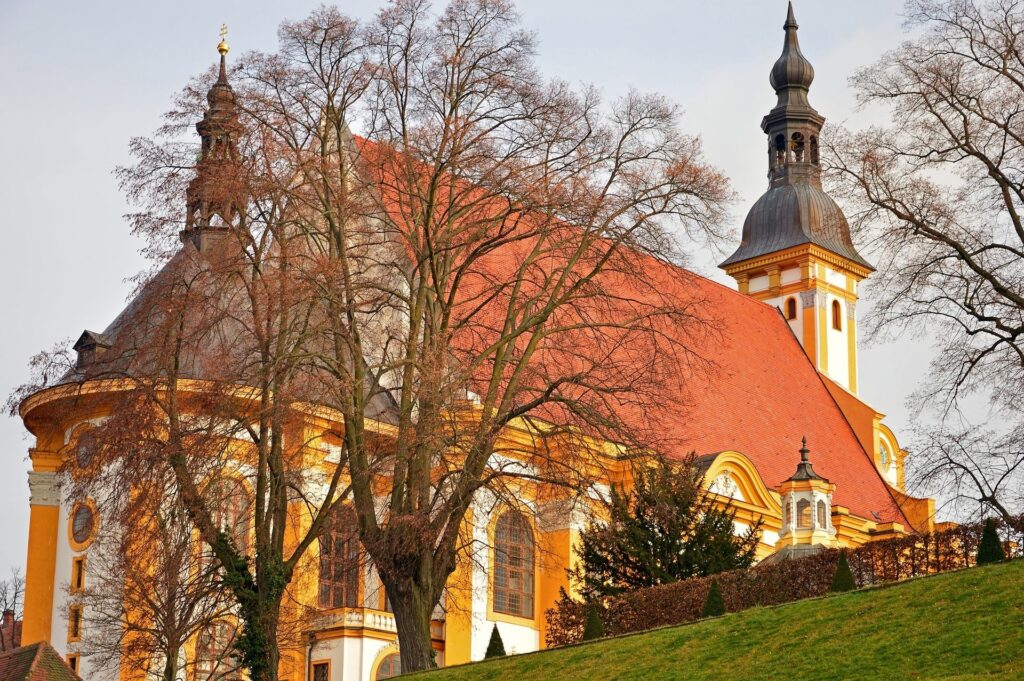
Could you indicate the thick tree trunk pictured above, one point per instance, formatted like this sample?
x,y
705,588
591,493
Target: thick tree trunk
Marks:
x,y
265,667
259,644
413,611
171,668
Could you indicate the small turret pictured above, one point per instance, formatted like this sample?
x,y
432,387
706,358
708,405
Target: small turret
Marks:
x,y
806,506
216,196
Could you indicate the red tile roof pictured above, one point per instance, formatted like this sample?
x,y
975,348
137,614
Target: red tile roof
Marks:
x,y
748,387
36,662
764,395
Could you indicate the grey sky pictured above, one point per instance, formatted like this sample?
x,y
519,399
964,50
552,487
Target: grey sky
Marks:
x,y
79,79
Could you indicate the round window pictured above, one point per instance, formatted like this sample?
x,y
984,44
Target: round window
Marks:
x,y
85,449
83,523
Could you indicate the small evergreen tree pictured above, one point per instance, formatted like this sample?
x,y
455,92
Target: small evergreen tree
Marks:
x,y
665,529
495,647
843,579
715,604
990,548
593,629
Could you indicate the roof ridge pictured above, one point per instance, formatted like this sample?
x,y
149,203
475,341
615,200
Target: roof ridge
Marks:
x,y
40,647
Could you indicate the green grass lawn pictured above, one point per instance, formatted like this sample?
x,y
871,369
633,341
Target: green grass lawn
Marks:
x,y
963,625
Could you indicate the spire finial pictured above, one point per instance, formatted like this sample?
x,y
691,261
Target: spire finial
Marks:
x,y
803,450
790,18
223,48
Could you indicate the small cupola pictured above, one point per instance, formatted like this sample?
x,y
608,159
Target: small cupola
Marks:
x,y
90,346
806,506
216,196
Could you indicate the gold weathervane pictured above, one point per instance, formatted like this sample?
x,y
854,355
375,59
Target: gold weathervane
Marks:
x,y
223,46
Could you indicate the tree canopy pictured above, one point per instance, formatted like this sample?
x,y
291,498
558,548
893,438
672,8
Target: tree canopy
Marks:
x,y
666,528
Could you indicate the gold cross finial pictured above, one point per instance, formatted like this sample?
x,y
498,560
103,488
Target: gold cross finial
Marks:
x,y
223,46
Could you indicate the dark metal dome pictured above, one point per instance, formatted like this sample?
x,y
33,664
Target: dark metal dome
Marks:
x,y
793,215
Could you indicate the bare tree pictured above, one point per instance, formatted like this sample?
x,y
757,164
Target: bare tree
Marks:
x,y
12,595
534,221
147,590
976,470
469,297
939,196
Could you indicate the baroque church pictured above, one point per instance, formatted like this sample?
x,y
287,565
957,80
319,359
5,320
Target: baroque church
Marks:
x,y
779,430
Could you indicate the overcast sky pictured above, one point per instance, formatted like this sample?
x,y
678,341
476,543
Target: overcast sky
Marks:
x,y
78,80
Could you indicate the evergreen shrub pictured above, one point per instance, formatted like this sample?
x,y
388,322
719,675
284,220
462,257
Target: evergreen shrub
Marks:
x,y
495,647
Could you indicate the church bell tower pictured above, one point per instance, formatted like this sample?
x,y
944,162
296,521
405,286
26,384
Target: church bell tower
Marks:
x,y
796,252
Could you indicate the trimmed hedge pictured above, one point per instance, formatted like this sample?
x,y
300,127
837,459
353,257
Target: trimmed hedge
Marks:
x,y
779,582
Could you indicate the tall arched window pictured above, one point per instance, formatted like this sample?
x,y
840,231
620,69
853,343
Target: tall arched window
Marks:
x,y
512,588
232,511
837,316
822,519
791,308
339,562
390,667
215,653
814,150
803,514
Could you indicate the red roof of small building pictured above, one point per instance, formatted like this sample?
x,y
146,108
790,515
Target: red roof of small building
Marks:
x,y
36,662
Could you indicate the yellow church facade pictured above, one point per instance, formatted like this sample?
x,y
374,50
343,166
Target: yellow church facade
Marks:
x,y
788,371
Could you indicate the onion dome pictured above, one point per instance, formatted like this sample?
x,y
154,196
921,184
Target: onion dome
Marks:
x,y
221,98
792,215
791,71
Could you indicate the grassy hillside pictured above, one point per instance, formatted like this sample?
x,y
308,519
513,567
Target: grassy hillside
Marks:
x,y
964,625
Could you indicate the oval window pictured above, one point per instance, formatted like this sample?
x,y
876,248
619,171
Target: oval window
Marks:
x,y
82,455
83,523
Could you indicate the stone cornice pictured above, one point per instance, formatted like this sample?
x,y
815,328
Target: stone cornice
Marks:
x,y
803,250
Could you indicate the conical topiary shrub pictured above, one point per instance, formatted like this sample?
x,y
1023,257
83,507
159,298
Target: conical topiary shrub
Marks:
x,y
593,629
715,604
990,548
496,647
843,579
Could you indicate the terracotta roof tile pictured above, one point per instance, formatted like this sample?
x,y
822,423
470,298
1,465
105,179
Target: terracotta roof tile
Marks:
x,y
36,662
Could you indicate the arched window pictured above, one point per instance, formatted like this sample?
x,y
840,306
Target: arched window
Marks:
x,y
814,150
837,316
803,514
780,150
512,589
339,562
232,512
390,666
883,455
215,653
798,147
791,308
822,520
